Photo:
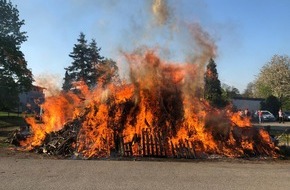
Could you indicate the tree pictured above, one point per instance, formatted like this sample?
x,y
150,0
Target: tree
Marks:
x,y
229,92
89,66
95,60
212,86
249,91
67,84
274,79
108,72
15,77
79,68
272,104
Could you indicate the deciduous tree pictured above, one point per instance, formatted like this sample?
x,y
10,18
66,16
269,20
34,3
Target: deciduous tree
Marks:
x,y
108,72
272,104
15,77
249,91
274,79
230,92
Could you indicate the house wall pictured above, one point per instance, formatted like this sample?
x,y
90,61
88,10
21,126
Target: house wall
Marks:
x,y
251,104
30,101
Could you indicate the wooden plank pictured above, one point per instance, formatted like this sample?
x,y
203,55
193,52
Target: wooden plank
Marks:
x,y
172,149
143,142
152,145
191,149
128,149
157,145
122,149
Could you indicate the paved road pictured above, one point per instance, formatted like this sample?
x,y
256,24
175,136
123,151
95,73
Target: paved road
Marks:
x,y
273,124
93,174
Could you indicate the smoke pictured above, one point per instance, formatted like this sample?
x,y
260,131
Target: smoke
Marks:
x,y
190,35
175,39
160,11
50,82
206,47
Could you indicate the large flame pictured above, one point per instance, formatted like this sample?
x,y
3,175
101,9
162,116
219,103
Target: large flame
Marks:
x,y
161,97
58,109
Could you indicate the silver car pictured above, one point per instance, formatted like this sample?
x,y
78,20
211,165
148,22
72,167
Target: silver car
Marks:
x,y
266,116
286,115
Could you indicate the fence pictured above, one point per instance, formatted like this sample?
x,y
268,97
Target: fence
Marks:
x,y
154,145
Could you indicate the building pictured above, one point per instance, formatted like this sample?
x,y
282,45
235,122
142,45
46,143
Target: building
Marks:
x,y
252,104
30,101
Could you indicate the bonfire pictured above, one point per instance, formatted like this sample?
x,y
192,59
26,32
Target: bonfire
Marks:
x,y
160,113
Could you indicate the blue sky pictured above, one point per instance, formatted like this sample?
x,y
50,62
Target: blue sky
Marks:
x,y
247,33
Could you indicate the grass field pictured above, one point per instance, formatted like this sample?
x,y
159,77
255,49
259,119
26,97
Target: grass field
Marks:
x,y
9,114
9,124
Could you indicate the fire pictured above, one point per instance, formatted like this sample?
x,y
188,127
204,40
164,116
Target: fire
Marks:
x,y
161,99
159,111
59,109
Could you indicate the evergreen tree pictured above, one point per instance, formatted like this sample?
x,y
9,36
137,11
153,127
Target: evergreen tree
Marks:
x,y
89,66
212,86
79,67
67,82
95,60
15,77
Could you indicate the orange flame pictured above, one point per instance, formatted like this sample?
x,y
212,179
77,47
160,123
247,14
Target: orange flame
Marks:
x,y
58,110
162,97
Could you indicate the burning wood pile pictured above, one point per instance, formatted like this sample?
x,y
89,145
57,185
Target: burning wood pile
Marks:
x,y
160,113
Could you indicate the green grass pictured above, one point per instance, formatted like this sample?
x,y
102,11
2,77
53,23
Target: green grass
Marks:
x,y
8,124
9,114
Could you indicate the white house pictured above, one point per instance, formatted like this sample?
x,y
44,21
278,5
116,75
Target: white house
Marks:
x,y
252,104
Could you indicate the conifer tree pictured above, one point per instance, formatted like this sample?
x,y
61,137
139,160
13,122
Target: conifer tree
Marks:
x,y
78,71
89,66
95,59
212,86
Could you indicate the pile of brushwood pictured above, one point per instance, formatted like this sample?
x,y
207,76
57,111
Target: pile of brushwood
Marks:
x,y
59,143
63,143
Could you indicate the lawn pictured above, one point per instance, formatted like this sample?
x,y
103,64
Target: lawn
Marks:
x,y
9,114
9,124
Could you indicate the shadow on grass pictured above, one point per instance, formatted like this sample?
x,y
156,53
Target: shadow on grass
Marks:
x,y
12,121
8,124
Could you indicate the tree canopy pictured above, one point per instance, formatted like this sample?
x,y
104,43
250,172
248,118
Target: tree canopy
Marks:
x,y
274,79
15,77
272,104
229,92
249,91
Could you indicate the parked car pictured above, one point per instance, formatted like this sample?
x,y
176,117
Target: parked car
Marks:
x,y
286,115
266,116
